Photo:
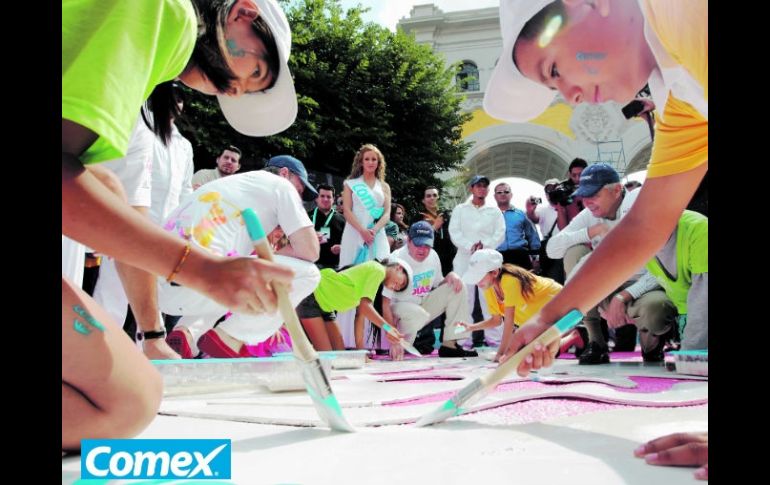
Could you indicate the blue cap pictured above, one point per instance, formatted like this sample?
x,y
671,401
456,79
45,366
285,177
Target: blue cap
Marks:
x,y
476,179
421,234
594,178
298,168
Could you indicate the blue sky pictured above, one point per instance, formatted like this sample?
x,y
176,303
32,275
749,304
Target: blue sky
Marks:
x,y
389,12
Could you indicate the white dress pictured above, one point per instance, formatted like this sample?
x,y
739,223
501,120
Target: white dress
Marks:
x,y
351,239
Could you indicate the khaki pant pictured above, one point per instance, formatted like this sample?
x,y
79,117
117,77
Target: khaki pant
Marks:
x,y
411,317
653,312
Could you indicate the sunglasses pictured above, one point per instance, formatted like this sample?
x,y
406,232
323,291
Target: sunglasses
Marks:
x,y
503,192
431,196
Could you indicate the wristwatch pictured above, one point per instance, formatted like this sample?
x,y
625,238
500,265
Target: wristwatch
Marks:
x,y
620,297
150,335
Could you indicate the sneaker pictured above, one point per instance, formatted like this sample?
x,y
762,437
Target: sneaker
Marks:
x,y
179,342
584,338
456,351
595,353
213,345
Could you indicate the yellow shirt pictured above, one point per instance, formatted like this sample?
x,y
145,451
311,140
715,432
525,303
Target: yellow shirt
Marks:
x,y
545,290
677,32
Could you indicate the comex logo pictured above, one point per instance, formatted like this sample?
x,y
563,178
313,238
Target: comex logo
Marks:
x,y
200,459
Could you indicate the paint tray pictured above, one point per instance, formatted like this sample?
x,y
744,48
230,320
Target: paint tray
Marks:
x,y
204,376
341,359
693,362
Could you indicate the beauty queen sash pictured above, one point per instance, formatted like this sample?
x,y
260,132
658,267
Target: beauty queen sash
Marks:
x,y
363,193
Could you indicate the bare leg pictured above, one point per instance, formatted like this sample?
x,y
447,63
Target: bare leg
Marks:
x,y
358,329
335,337
316,331
109,389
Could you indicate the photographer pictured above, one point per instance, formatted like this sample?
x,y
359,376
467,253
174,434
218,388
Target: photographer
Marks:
x,y
439,220
551,218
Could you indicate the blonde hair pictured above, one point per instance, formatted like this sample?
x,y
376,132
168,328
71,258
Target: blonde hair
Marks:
x,y
358,162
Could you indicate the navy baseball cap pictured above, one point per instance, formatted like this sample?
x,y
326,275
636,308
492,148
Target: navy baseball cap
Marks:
x,y
594,178
298,168
477,179
421,233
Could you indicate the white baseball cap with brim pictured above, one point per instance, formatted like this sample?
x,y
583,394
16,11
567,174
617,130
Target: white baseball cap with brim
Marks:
x,y
409,274
480,263
273,110
509,95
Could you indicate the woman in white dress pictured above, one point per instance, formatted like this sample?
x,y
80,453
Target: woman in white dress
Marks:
x,y
366,207
366,202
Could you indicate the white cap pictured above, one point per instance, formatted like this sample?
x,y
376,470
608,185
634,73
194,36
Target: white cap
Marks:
x,y
482,262
509,95
407,269
271,111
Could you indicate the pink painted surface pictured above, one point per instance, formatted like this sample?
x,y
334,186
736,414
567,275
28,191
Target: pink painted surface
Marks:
x,y
541,409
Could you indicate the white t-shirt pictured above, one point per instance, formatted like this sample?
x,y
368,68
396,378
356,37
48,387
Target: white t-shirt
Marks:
x,y
212,211
171,175
426,276
135,169
548,216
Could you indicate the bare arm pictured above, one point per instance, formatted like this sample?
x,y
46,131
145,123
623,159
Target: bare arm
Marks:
x,y
96,217
304,245
491,322
367,309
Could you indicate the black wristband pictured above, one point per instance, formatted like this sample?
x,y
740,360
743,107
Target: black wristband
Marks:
x,y
150,335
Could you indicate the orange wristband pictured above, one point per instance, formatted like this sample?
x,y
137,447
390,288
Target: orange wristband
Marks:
x,y
179,264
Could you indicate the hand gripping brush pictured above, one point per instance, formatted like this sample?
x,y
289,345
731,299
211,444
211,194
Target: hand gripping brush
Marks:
x,y
316,382
480,387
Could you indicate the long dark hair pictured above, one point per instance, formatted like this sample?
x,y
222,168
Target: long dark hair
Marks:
x,y
526,279
209,56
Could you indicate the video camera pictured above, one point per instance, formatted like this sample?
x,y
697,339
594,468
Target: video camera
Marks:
x,y
562,193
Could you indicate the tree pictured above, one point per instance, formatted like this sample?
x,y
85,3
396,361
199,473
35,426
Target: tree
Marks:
x,y
356,83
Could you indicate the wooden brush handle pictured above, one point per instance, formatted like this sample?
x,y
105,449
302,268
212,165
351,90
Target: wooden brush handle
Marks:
x,y
300,343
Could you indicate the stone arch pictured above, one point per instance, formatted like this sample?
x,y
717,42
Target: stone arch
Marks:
x,y
518,159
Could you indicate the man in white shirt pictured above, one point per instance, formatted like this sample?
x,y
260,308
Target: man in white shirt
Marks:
x,y
427,296
228,163
606,203
210,218
474,226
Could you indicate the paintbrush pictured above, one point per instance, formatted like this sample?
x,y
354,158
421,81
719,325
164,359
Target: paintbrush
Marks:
x,y
316,382
406,345
480,387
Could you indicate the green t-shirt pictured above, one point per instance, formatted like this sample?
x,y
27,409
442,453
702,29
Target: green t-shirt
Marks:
x,y
343,291
114,53
692,257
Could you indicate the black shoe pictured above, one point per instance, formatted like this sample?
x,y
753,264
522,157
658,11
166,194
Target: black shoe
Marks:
x,y
656,354
595,353
456,351
625,338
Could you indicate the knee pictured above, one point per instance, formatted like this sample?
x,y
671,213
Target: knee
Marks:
x,y
138,408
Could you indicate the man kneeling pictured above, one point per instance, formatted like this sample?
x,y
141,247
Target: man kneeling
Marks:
x,y
428,295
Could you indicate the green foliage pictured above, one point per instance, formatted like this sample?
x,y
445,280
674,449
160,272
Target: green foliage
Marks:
x,y
357,83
